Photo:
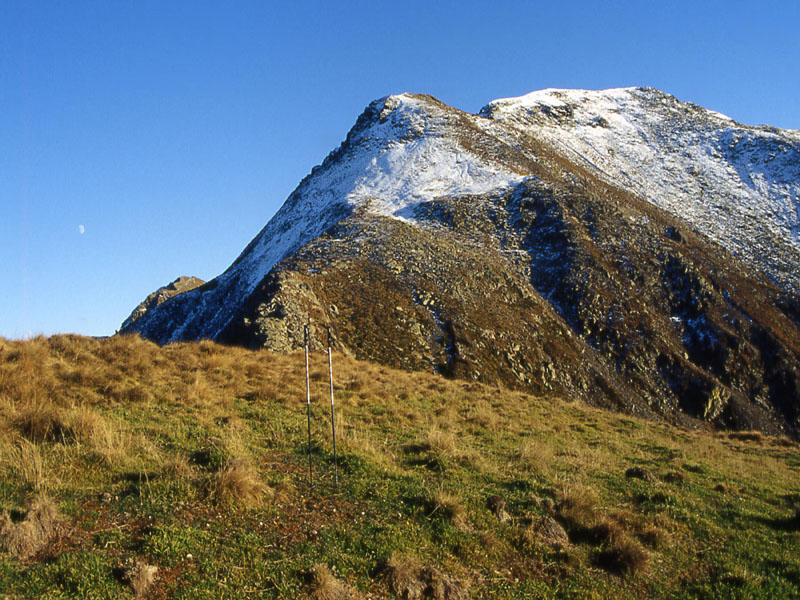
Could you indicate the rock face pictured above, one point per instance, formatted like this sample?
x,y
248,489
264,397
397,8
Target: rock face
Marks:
x,y
162,294
513,247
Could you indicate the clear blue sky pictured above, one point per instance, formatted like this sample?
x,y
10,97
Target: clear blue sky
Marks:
x,y
170,132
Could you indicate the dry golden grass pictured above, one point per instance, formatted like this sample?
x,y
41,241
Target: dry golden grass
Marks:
x,y
451,508
25,460
482,414
28,536
39,422
325,586
535,455
110,446
360,440
85,423
124,406
238,484
577,507
411,580
747,436
177,466
444,445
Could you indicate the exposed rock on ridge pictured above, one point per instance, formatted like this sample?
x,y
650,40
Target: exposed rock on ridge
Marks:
x,y
162,294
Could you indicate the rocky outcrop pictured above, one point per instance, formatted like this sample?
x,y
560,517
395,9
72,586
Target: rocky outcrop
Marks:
x,y
162,294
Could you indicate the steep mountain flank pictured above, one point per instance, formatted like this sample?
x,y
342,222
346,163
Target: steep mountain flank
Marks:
x,y
480,248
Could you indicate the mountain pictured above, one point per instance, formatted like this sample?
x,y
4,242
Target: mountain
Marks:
x,y
621,247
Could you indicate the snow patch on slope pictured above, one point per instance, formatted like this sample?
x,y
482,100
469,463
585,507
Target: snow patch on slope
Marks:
x,y
403,158
738,185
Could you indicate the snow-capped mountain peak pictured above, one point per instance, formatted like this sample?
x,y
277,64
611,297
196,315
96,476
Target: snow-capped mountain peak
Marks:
x,y
737,184
562,242
400,152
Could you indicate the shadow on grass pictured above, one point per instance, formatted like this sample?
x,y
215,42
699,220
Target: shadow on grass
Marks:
x,y
786,524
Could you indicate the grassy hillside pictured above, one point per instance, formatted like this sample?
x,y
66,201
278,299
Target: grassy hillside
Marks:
x,y
181,472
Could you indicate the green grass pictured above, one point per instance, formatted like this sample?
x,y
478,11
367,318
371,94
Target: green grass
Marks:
x,y
418,458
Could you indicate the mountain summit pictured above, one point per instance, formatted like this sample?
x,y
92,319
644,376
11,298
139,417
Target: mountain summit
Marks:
x,y
618,246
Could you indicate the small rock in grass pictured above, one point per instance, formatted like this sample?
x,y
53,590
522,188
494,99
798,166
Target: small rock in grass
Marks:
x,y
551,532
141,577
497,505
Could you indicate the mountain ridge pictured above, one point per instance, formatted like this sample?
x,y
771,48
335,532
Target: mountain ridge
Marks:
x,y
479,248
649,146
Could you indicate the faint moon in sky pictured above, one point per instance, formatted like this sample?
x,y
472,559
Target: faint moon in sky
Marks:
x,y
81,229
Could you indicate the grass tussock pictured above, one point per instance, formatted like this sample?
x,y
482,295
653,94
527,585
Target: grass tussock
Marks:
x,y
445,446
27,463
237,484
409,579
24,538
534,455
40,423
623,555
579,509
114,448
85,423
325,586
451,508
177,466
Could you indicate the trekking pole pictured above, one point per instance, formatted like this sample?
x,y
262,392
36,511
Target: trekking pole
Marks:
x,y
333,422
308,406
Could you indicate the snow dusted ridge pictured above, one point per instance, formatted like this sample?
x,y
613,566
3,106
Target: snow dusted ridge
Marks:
x,y
400,152
738,185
